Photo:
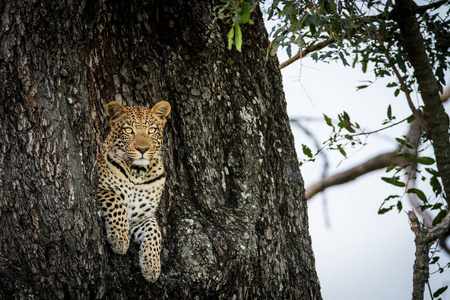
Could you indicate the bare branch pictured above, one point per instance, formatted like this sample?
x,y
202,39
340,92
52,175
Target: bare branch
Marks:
x,y
439,229
415,224
378,162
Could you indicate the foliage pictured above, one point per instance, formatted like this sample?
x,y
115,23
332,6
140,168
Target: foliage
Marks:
x,y
360,31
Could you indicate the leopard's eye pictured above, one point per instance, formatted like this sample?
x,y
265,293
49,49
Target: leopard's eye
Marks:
x,y
128,130
152,130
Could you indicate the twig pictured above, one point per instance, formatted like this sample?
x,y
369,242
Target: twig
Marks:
x,y
377,130
429,290
417,113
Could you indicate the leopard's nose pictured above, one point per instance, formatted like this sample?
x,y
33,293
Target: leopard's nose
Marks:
x,y
142,149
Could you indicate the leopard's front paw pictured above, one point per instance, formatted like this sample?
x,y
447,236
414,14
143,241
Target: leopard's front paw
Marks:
x,y
149,260
119,242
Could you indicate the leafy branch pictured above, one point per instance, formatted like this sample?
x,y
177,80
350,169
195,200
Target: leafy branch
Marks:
x,y
236,12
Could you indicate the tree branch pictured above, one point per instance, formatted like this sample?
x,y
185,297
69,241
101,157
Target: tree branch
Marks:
x,y
424,239
378,162
435,5
305,52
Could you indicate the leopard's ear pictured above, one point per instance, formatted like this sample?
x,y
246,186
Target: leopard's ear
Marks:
x,y
115,110
161,109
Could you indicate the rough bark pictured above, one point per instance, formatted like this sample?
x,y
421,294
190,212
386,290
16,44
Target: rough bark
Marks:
x,y
233,215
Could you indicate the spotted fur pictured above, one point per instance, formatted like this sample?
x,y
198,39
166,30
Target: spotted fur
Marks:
x,y
131,181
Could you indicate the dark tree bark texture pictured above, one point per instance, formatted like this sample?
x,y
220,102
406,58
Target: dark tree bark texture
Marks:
x,y
233,215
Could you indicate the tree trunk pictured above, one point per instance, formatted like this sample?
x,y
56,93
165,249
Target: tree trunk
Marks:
x,y
437,121
233,215
434,114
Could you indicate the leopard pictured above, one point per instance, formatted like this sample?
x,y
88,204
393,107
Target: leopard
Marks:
x,y
131,179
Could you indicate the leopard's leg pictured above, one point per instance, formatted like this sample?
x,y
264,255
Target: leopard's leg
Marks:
x,y
149,235
113,210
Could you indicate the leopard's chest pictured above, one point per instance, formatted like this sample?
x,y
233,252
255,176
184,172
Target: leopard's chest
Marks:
x,y
140,190
141,201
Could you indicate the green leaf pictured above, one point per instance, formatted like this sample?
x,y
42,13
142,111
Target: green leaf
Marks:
x,y
410,119
341,150
407,156
434,260
394,181
383,73
437,206
440,291
432,172
400,141
440,74
439,217
419,194
436,185
307,151
355,60
425,160
344,119
399,206
289,50
230,36
389,112
245,13
392,84
364,66
426,206
238,37
328,121
344,61
382,211
391,167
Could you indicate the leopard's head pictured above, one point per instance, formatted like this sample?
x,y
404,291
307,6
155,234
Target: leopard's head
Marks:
x,y
136,131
